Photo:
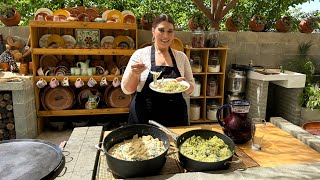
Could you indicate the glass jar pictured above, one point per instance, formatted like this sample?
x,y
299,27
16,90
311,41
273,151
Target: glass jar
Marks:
x,y
212,88
198,38
197,89
213,38
213,64
212,112
196,64
194,111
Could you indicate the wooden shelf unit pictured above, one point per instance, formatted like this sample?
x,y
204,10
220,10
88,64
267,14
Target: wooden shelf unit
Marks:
x,y
39,28
203,100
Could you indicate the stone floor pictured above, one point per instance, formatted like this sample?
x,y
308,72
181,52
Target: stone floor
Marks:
x,y
54,136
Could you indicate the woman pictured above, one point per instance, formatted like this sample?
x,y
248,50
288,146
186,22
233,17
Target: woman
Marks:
x,y
167,109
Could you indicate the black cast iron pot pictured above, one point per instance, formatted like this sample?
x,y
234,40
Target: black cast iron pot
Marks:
x,y
127,169
194,165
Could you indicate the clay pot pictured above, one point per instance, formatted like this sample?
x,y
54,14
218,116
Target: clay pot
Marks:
x,y
255,27
145,23
12,21
281,26
192,25
230,26
304,28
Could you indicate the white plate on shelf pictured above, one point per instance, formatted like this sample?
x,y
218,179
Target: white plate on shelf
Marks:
x,y
43,40
157,89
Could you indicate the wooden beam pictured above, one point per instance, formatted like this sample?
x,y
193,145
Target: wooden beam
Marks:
x,y
203,8
229,6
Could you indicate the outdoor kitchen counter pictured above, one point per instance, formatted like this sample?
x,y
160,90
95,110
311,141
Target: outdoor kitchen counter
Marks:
x,y
282,156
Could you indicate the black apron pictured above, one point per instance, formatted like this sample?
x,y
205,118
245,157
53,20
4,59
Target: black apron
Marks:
x,y
167,109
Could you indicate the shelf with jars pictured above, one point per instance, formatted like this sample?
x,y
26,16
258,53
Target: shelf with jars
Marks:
x,y
73,62
209,70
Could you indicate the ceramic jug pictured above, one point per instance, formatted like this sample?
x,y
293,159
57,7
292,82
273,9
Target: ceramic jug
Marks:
x,y
92,102
236,125
83,65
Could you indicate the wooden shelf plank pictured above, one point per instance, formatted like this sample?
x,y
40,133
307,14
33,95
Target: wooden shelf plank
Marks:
x,y
196,97
218,48
40,51
77,112
214,97
79,24
202,121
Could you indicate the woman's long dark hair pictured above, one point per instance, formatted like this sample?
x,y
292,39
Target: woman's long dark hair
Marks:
x,y
161,18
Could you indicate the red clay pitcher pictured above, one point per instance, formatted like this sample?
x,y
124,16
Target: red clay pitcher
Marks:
x,y
236,125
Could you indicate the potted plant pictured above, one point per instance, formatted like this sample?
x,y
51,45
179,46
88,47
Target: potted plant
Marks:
x,y
8,15
147,20
234,22
257,23
310,98
197,21
307,25
284,24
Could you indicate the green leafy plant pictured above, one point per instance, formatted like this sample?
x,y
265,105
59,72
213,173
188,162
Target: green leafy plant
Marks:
x,y
148,17
311,96
259,19
312,22
236,19
302,63
6,10
198,19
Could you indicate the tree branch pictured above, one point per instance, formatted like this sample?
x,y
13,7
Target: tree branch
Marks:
x,y
214,4
229,6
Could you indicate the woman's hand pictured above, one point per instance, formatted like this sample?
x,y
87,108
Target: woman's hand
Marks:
x,y
138,68
190,89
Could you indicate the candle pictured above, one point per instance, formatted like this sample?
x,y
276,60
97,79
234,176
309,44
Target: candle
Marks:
x,y
211,112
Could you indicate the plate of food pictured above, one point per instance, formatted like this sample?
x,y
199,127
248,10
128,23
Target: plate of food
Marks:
x,y
169,86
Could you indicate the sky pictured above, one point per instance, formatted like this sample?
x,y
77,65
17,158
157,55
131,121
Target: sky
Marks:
x,y
312,6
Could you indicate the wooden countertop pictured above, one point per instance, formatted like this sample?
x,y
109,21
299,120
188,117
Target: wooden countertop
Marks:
x,y
278,147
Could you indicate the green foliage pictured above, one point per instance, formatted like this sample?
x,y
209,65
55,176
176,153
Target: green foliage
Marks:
x,y
6,10
259,19
198,19
180,10
236,19
302,63
311,97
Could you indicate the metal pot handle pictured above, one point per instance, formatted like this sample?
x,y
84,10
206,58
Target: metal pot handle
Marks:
x,y
97,146
238,160
173,135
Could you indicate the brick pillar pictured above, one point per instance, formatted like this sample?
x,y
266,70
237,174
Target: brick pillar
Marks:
x,y
257,95
286,103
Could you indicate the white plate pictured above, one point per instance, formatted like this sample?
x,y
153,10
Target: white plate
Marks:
x,y
46,10
107,39
154,88
132,45
43,40
68,39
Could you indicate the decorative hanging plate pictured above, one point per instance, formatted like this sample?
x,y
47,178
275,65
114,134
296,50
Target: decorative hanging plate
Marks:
x,y
43,40
69,41
132,44
105,14
59,98
55,40
121,42
48,60
125,12
46,10
61,12
88,36
115,16
177,44
115,97
107,42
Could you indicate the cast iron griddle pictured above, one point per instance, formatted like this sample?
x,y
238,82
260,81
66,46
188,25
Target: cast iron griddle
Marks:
x,y
29,159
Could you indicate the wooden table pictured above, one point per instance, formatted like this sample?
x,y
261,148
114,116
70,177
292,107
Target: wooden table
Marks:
x,y
278,147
